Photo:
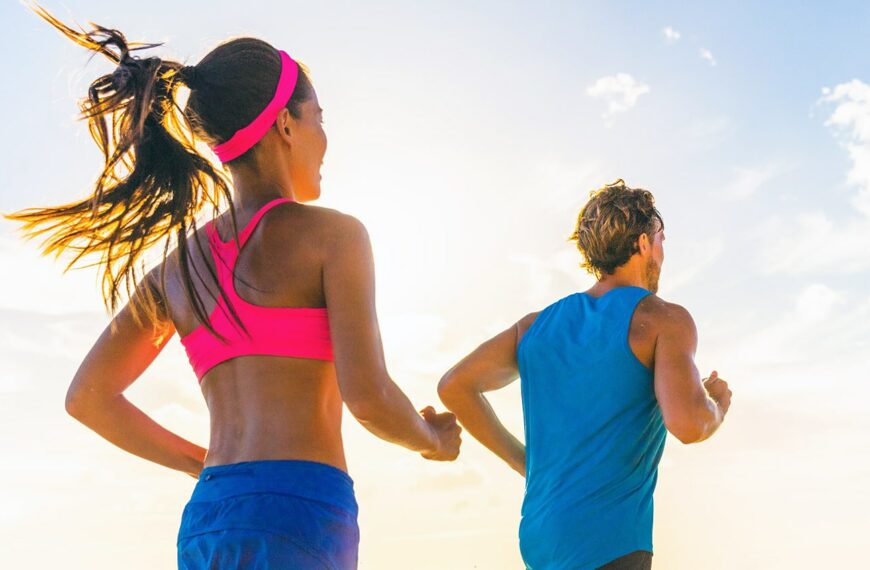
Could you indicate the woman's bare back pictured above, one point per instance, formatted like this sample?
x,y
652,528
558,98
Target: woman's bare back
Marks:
x,y
268,407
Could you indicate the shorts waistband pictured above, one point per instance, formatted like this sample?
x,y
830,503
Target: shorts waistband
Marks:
x,y
306,479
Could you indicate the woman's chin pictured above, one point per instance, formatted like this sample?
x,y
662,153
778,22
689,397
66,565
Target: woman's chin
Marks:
x,y
309,195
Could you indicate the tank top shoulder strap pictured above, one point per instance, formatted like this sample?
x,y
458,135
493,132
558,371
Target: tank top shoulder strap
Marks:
x,y
630,296
627,299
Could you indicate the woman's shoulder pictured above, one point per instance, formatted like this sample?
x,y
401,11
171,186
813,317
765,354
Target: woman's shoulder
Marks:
x,y
335,226
331,214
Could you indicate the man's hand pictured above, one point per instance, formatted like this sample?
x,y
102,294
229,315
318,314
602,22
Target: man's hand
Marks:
x,y
446,432
718,389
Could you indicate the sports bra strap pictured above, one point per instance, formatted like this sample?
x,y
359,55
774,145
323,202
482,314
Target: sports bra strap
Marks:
x,y
248,229
211,232
243,236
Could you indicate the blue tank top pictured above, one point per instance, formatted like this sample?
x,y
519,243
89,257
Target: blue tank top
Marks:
x,y
594,434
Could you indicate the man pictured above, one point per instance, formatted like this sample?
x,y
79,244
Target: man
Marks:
x,y
604,373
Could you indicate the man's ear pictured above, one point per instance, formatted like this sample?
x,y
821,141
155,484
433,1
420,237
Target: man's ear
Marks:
x,y
643,244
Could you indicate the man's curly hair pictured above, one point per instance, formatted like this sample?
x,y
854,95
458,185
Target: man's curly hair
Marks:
x,y
610,224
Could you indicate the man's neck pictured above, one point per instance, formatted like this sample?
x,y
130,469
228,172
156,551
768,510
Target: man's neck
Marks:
x,y
618,279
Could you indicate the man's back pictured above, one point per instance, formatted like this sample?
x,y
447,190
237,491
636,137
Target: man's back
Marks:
x,y
594,431
605,374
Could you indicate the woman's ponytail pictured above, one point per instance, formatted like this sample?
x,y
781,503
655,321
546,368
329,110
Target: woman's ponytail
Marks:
x,y
153,182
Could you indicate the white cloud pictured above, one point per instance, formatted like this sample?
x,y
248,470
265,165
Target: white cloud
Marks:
x,y
816,241
747,181
414,343
568,184
40,284
853,109
552,275
10,383
814,326
707,56
817,302
672,36
690,260
703,134
851,118
620,92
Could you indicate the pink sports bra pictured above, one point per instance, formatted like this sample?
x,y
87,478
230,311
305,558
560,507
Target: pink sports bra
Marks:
x,y
277,331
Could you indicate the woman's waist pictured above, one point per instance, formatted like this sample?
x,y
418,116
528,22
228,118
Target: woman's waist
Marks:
x,y
306,479
264,443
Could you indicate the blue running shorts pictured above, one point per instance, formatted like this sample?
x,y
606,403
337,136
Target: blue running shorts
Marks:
x,y
270,514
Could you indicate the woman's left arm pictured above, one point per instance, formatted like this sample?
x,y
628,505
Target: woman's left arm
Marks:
x,y
96,394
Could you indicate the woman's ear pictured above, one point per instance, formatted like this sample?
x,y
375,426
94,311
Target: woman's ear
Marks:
x,y
285,124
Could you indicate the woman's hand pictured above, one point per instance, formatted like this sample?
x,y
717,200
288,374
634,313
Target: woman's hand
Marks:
x,y
198,462
445,432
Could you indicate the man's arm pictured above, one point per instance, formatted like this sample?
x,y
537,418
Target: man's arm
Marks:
x,y
491,366
692,410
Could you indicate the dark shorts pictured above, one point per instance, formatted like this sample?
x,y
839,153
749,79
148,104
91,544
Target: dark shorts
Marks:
x,y
271,514
637,560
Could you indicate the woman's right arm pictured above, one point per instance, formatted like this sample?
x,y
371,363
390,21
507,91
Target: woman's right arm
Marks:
x,y
366,387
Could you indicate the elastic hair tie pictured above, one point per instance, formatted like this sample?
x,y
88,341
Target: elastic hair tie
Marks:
x,y
188,73
121,77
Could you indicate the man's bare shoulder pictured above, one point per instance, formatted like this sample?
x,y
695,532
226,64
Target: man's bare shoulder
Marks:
x,y
527,321
664,315
524,324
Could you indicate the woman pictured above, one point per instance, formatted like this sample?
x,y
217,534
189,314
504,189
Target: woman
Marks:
x,y
248,295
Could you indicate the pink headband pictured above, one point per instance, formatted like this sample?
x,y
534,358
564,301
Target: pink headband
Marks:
x,y
246,137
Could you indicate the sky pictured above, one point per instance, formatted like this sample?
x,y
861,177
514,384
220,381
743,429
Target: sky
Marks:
x,y
466,136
